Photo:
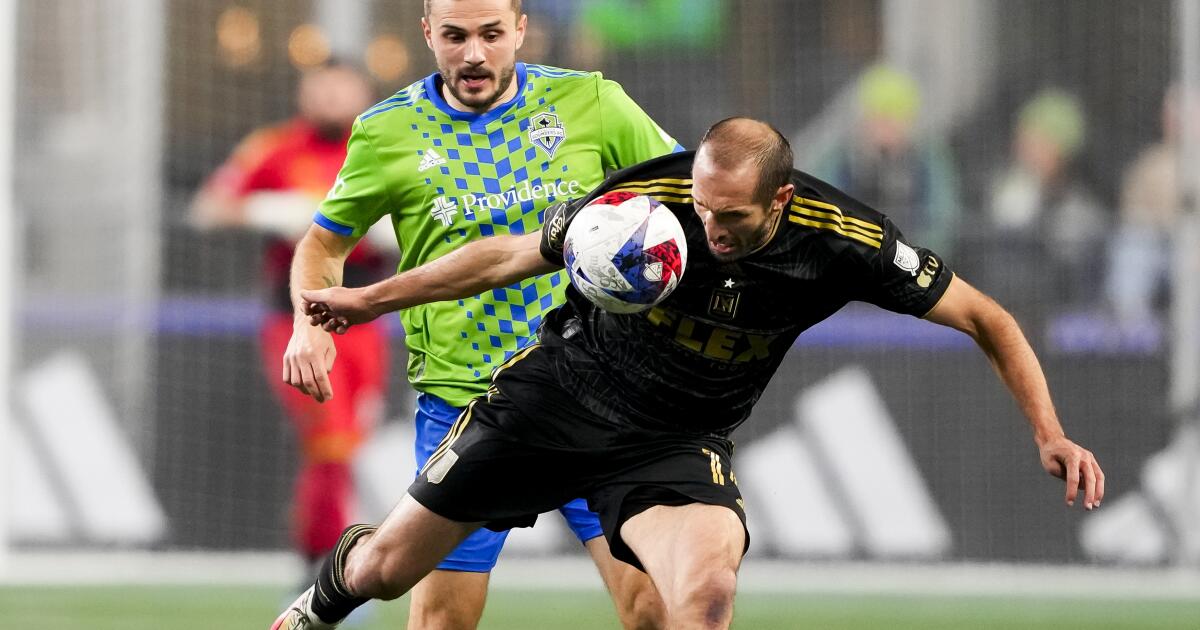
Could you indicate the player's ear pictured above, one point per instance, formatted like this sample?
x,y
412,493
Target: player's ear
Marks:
x,y
783,196
522,22
428,31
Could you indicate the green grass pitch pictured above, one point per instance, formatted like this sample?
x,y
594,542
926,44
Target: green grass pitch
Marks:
x,y
208,608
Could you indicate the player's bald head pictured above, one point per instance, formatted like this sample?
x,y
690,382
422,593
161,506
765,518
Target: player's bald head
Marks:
x,y
735,143
429,4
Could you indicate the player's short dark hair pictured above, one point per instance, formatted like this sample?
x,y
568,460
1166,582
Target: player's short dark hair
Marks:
x,y
735,141
516,6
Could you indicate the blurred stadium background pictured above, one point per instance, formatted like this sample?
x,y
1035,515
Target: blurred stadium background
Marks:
x,y
145,469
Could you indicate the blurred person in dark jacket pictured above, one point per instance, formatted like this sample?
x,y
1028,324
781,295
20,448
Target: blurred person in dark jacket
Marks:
x,y
887,163
1045,227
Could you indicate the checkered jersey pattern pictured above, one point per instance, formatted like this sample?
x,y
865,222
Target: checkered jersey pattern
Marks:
x,y
446,177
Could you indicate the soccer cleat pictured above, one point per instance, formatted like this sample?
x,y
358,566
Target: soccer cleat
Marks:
x,y
299,616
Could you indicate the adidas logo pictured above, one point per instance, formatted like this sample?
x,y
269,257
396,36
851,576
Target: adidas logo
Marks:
x,y
828,504
430,160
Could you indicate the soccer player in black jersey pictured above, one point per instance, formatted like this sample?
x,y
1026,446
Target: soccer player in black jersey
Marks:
x,y
634,412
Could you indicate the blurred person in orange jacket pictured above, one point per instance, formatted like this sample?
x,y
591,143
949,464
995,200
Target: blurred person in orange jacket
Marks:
x,y
273,182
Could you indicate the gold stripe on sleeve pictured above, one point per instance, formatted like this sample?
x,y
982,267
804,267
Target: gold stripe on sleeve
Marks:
x,y
794,217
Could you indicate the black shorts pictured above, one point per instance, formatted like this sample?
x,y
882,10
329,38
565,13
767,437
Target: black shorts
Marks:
x,y
529,447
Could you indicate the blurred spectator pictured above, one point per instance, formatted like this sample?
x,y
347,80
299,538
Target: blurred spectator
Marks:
x,y
273,182
560,14
590,29
1150,202
656,24
887,164
669,49
1045,228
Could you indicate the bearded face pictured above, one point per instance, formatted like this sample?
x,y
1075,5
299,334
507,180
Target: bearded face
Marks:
x,y
475,43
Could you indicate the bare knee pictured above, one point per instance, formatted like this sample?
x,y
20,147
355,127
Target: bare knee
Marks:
x,y
704,600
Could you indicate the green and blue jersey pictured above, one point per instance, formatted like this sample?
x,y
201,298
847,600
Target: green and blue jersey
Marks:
x,y
447,177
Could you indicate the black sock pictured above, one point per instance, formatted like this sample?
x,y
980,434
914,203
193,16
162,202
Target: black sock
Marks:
x,y
331,600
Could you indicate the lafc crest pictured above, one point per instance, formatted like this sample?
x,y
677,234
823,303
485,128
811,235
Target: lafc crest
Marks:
x,y
546,132
724,303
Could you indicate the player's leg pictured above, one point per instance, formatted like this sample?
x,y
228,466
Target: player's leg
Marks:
x,y
502,442
452,597
692,552
674,509
375,563
405,548
638,604
448,600
385,563
474,476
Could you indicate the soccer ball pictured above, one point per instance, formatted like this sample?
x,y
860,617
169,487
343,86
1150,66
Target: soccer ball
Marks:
x,y
625,252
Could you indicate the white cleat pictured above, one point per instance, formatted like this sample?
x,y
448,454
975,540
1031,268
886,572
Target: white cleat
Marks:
x,y
299,616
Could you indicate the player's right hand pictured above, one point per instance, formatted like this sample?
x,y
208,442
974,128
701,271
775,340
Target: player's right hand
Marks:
x,y
336,309
1077,466
308,360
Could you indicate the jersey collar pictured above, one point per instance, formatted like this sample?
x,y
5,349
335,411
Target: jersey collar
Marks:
x,y
433,90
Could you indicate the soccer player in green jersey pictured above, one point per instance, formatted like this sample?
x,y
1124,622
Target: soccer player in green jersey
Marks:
x,y
479,148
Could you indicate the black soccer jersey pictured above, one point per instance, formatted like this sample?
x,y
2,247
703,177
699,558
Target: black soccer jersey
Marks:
x,y
698,361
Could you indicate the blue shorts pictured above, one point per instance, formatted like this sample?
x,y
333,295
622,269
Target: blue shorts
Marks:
x,y
478,553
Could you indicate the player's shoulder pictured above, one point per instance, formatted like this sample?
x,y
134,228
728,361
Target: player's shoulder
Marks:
x,y
671,165
667,178
550,78
820,210
542,71
401,103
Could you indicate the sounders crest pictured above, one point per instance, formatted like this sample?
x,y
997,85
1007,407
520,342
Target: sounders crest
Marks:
x,y
546,132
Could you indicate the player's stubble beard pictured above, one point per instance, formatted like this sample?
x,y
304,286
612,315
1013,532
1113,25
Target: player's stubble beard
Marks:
x,y
478,103
757,240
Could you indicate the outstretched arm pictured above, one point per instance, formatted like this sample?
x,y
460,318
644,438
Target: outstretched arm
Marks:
x,y
469,270
998,335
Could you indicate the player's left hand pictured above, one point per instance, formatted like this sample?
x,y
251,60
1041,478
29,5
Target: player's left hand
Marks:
x,y
336,309
1067,460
